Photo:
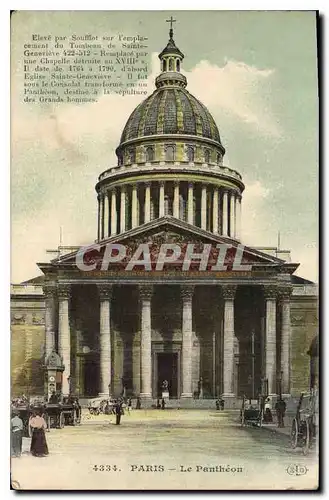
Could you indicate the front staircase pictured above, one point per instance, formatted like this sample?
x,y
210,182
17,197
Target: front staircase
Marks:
x,y
192,404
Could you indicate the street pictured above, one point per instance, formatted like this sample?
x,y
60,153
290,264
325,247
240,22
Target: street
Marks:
x,y
170,449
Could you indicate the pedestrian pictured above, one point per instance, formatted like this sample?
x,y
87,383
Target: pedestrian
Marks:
x,y
280,408
268,418
129,406
118,412
222,403
163,404
38,425
217,404
138,403
16,426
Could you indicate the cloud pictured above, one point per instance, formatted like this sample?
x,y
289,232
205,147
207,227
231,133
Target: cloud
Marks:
x,y
238,90
255,221
308,256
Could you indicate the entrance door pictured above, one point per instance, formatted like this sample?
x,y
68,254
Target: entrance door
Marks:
x,y
167,370
91,377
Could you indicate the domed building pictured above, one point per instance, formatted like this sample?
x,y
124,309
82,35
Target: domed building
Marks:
x,y
170,162
168,297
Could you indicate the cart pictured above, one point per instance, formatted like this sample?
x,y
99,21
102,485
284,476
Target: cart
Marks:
x,y
54,416
100,405
305,423
57,415
252,412
72,411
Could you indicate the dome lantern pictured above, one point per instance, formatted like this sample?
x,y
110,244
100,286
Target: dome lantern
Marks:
x,y
171,61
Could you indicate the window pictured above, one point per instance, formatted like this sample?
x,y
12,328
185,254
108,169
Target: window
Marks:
x,y
178,65
190,153
149,153
170,153
171,65
131,156
219,158
206,156
164,65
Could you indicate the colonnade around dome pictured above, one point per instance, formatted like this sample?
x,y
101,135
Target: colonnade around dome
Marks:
x,y
201,204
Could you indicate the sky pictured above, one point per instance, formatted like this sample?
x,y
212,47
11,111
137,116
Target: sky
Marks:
x,y
257,74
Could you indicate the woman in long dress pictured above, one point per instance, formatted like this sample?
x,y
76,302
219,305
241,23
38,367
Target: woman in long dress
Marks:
x,y
38,425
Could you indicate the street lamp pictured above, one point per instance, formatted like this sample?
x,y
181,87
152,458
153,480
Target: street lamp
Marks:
x,y
253,363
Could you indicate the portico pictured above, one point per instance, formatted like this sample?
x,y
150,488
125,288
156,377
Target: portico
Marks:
x,y
132,334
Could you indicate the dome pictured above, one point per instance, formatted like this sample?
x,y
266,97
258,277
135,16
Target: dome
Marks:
x,y
170,111
170,163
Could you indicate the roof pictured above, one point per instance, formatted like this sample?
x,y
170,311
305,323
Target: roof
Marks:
x,y
170,111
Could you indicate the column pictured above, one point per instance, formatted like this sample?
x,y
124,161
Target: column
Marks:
x,y
238,218
49,292
99,218
102,216
105,294
228,361
123,210
187,297
190,207
106,216
225,214
134,208
176,200
161,199
285,340
64,336
145,293
113,212
215,211
204,207
270,338
232,215
147,204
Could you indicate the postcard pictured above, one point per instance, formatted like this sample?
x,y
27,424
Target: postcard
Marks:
x,y
164,207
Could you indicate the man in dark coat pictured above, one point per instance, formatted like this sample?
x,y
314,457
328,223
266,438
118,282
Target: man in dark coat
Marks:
x,y
118,412
280,408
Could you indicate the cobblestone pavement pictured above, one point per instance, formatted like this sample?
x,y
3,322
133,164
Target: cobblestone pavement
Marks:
x,y
170,449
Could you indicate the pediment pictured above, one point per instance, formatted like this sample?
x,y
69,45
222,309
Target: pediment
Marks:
x,y
168,233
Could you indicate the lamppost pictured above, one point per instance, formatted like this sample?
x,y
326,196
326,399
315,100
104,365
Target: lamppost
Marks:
x,y
253,363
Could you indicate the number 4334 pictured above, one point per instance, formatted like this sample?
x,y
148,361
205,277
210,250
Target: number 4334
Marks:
x,y
105,468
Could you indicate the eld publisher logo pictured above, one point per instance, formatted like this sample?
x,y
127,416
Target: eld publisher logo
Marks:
x,y
297,470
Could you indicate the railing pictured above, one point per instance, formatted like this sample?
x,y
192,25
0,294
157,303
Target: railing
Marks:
x,y
309,290
26,290
154,166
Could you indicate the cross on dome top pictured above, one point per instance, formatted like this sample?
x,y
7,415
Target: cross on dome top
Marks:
x,y
171,21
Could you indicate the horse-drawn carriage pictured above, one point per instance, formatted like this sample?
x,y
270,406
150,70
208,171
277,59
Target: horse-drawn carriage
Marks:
x,y
66,412
99,406
305,424
56,414
252,412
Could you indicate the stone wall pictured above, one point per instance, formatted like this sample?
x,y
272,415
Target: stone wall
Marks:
x,y
27,342
304,327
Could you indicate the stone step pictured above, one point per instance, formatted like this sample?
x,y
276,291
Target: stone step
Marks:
x,y
232,403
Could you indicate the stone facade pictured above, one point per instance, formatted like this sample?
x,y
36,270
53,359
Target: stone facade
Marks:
x,y
206,362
